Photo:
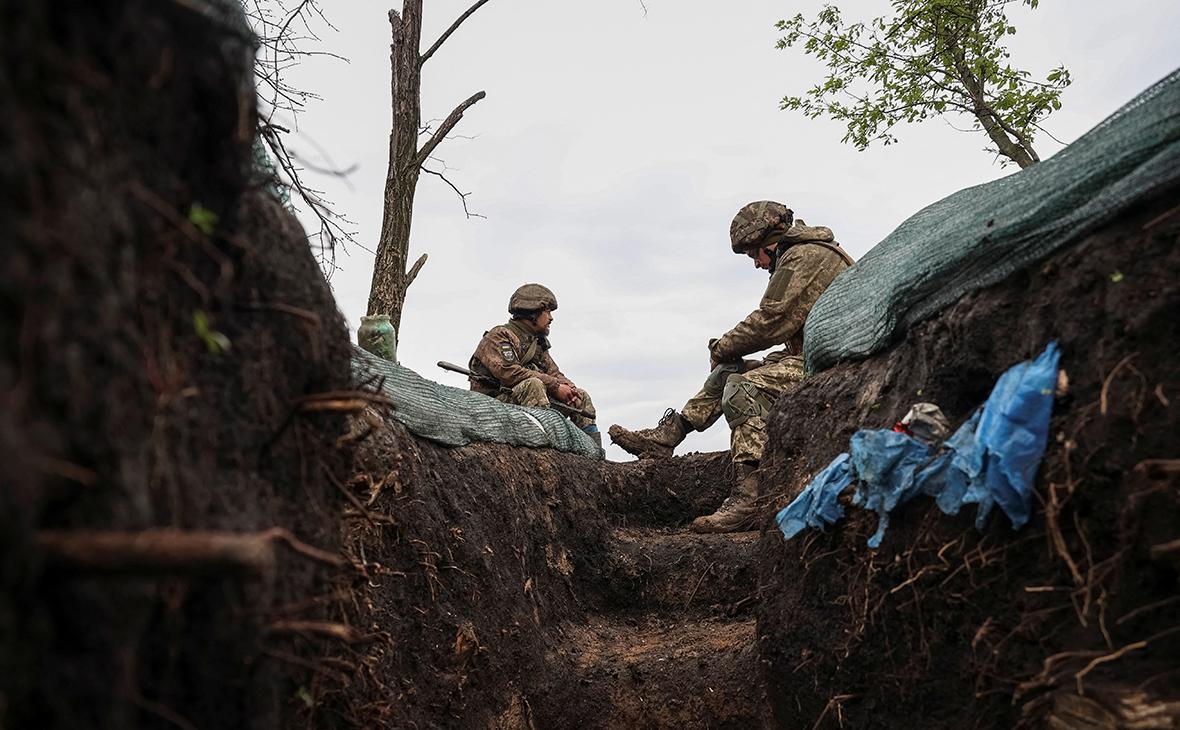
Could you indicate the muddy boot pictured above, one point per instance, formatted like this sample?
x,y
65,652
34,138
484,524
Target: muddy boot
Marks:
x,y
739,511
652,442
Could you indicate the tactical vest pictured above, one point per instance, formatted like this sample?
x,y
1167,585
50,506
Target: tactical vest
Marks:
x,y
835,247
530,357
533,345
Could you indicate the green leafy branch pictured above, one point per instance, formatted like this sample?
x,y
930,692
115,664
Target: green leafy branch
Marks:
x,y
930,58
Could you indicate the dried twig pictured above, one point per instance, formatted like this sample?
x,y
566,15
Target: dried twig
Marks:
x,y
343,632
1103,397
700,580
343,400
1158,551
1144,609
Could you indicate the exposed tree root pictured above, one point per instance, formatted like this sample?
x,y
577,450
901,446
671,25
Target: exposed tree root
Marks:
x,y
167,550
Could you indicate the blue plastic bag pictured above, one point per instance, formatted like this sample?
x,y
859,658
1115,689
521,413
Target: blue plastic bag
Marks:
x,y
991,459
817,505
886,463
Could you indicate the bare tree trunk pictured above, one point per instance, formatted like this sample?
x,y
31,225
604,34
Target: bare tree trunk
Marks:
x,y
388,292
391,279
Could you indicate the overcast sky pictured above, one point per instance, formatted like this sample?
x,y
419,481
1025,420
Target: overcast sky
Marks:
x,y
613,149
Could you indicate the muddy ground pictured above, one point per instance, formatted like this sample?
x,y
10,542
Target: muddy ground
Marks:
x,y
489,586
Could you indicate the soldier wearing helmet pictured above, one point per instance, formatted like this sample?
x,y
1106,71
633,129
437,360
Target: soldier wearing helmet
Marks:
x,y
802,261
516,356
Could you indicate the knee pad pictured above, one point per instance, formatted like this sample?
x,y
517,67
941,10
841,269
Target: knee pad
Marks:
x,y
715,383
741,401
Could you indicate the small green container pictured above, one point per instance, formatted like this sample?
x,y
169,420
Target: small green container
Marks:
x,y
376,334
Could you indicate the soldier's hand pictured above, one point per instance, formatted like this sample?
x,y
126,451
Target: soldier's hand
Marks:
x,y
565,394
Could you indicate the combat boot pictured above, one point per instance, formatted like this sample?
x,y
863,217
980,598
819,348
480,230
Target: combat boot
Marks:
x,y
655,442
739,511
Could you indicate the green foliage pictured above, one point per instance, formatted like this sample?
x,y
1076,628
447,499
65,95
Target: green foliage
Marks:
x,y
204,219
304,696
931,57
215,341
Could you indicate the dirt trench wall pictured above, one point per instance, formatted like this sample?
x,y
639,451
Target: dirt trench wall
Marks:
x,y
162,328
945,626
474,557
160,321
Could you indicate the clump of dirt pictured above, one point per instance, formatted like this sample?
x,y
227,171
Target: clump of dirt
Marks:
x,y
162,323
946,626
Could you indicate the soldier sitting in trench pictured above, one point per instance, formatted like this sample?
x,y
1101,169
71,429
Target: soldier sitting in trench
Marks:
x,y
802,261
512,362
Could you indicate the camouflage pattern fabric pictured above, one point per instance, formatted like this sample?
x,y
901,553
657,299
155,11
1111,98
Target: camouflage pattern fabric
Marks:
x,y
516,358
531,392
803,272
511,353
531,297
755,220
748,440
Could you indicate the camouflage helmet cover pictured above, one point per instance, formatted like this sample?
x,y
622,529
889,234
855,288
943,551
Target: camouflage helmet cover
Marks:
x,y
755,220
531,297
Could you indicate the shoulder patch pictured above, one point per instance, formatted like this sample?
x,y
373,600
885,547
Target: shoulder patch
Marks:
x,y
507,352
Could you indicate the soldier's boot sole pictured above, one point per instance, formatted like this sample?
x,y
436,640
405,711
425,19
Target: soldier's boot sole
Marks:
x,y
637,445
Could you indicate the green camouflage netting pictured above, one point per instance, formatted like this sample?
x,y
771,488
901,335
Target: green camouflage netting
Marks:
x,y
981,235
454,417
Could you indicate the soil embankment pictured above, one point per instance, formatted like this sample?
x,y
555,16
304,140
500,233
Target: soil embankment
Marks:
x,y
1071,617
162,327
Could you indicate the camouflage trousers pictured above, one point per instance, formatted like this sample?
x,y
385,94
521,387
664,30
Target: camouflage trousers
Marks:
x,y
531,392
743,393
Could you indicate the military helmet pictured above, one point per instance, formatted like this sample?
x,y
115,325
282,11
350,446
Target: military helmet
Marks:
x,y
532,297
755,220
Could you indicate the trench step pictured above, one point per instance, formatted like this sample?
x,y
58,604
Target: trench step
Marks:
x,y
652,568
649,672
673,491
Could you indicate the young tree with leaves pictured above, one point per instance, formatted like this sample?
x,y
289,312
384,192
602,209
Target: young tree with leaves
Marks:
x,y
930,58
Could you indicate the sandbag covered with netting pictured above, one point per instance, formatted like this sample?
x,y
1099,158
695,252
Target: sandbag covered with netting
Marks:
x,y
454,416
979,236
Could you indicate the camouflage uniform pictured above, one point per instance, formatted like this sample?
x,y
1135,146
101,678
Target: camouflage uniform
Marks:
x,y
512,356
803,261
744,390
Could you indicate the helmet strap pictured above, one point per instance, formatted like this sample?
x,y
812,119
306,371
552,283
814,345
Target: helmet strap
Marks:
x,y
775,236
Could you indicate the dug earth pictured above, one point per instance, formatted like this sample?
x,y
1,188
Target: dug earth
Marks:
x,y
173,371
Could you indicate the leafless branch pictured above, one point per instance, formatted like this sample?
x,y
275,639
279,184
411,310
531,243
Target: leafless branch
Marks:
x,y
332,224
287,31
413,272
462,195
445,128
447,33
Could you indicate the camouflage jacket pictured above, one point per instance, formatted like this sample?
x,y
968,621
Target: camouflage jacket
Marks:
x,y
510,353
803,272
